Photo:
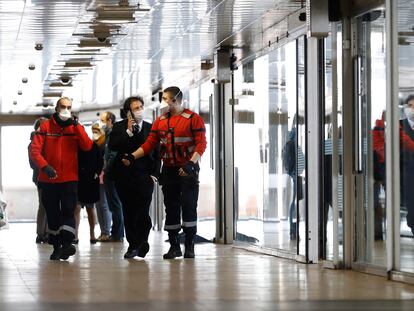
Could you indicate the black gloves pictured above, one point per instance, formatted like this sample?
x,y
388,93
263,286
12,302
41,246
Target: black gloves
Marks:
x,y
129,157
190,168
75,120
50,172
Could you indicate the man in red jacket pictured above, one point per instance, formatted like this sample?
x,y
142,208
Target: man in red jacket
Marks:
x,y
54,151
181,135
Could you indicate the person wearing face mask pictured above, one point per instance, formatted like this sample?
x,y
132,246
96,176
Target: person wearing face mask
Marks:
x,y
54,151
407,160
135,183
181,134
90,165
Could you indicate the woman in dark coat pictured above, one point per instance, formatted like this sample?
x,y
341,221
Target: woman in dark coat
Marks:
x,y
90,165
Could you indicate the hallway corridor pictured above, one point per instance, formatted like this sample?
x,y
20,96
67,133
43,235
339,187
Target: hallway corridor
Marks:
x,y
220,278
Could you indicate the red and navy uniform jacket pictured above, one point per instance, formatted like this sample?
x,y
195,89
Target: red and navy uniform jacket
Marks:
x,y
179,137
58,147
378,137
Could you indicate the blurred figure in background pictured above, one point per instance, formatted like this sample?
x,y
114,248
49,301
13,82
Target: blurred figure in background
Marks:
x,y
114,203
102,209
90,164
41,220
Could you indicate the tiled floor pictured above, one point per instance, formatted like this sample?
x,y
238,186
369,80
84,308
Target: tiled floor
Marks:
x,y
220,278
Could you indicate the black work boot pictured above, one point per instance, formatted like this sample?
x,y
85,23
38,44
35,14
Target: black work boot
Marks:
x,y
56,253
67,250
175,249
189,246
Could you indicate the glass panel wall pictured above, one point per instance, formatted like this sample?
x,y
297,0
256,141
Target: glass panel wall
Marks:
x,y
18,187
269,164
370,104
249,155
200,101
300,199
406,94
331,237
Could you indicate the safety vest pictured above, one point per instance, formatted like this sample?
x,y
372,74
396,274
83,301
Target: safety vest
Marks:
x,y
178,137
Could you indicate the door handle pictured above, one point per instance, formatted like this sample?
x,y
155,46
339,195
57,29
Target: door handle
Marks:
x,y
357,128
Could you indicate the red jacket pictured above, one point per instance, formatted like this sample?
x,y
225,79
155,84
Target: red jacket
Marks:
x,y
179,137
58,147
378,137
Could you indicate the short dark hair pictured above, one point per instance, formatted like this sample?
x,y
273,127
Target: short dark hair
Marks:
x,y
110,116
129,100
408,99
175,92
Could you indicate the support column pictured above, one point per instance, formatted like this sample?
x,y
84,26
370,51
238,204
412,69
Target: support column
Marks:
x,y
314,179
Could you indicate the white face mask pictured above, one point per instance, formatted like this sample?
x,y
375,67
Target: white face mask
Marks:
x,y
409,113
138,116
64,114
96,136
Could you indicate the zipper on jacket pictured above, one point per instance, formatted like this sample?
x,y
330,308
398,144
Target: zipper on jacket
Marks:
x,y
171,131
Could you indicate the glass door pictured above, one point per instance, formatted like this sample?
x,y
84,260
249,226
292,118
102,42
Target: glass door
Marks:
x,y
331,214
269,152
201,101
369,137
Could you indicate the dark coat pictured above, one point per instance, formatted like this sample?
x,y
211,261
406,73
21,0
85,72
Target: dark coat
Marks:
x,y
90,164
120,142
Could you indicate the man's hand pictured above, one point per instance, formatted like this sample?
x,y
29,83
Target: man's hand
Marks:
x,y
50,172
128,159
131,123
188,169
75,121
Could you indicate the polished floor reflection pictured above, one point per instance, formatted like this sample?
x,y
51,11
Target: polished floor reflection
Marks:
x,y
220,278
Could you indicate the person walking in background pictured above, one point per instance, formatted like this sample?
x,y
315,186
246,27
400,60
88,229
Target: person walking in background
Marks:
x,y
102,208
181,133
114,203
90,164
54,151
134,183
407,160
41,220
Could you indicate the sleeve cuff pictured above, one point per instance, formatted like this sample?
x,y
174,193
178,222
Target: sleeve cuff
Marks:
x,y
130,134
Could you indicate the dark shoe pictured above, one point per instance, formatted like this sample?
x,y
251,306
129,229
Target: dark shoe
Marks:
x,y
39,240
189,251
131,254
93,241
143,249
189,247
76,241
173,252
56,254
175,249
67,251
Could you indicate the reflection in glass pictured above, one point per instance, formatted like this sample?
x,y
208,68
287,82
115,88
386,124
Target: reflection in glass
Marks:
x,y
200,102
269,165
331,237
406,90
370,206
